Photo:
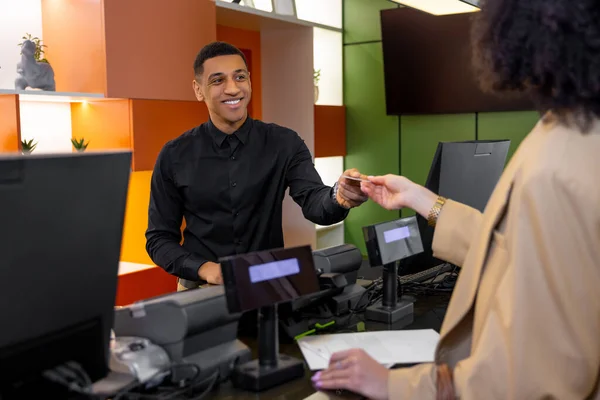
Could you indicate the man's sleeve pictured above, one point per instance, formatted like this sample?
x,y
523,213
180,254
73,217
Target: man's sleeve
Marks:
x,y
165,215
308,191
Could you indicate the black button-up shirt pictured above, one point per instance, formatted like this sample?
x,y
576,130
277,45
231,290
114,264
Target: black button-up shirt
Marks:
x,y
230,189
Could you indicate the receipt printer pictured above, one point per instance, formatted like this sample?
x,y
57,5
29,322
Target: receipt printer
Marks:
x,y
194,327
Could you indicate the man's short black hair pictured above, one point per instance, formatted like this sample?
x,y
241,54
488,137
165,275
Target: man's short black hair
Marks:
x,y
548,48
215,49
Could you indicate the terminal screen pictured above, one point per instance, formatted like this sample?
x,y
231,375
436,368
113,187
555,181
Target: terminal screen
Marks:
x,y
274,270
393,235
269,277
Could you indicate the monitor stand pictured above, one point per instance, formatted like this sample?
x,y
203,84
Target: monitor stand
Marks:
x,y
390,309
271,368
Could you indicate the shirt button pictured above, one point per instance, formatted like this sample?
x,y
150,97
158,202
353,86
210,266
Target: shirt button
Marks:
x,y
234,184
233,157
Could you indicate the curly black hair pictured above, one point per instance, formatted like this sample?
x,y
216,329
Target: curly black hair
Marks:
x,y
548,48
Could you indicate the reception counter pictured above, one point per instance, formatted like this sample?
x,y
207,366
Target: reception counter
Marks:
x,y
142,281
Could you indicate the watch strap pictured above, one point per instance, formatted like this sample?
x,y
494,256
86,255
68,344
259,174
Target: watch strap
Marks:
x,y
434,213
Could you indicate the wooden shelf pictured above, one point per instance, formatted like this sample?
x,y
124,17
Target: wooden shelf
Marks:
x,y
91,48
330,131
10,127
64,97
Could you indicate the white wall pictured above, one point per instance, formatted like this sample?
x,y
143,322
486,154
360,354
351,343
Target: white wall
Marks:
x,y
17,17
324,12
265,5
330,169
49,124
328,57
288,52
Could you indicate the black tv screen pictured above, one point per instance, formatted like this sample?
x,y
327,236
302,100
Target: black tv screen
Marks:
x,y
428,68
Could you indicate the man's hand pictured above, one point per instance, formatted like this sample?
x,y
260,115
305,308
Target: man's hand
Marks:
x,y
349,194
211,273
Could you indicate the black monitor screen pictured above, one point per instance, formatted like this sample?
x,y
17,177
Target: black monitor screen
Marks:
x,y
62,219
269,277
466,172
428,66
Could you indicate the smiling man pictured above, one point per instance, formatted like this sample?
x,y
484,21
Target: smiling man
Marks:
x,y
228,178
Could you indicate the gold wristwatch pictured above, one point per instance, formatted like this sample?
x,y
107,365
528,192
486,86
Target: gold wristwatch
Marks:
x,y
434,213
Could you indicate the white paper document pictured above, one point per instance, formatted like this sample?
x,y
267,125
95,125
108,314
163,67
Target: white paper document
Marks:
x,y
387,347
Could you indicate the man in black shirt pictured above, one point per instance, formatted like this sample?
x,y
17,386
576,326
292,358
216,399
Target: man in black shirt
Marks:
x,y
228,178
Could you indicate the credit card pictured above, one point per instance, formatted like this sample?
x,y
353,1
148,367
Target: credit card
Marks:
x,y
355,179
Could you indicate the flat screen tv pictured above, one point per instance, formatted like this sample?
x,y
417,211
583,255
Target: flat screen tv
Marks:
x,y
428,68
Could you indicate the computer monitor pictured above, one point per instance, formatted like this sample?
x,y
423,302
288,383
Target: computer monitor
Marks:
x,y
466,172
62,221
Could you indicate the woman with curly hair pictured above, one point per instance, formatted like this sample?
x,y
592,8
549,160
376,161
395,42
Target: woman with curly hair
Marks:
x,y
524,318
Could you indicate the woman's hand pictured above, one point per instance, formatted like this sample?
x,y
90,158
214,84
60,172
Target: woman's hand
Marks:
x,y
394,192
356,371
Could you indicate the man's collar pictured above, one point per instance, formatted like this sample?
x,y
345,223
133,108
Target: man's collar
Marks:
x,y
242,133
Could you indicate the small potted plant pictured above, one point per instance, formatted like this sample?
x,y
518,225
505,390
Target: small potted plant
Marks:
x,y
39,47
316,77
27,146
80,144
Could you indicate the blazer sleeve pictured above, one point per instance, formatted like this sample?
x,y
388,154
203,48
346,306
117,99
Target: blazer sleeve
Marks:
x,y
539,338
454,232
413,383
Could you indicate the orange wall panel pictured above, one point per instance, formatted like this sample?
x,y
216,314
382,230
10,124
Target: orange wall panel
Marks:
x,y
105,124
10,129
74,34
247,40
155,122
151,46
133,247
330,131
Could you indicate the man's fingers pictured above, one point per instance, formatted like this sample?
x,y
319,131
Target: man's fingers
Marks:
x,y
353,172
351,195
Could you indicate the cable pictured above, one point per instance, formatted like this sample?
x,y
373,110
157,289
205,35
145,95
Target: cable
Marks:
x,y
67,378
180,390
87,382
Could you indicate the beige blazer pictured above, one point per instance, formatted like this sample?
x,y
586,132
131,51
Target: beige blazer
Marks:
x,y
524,318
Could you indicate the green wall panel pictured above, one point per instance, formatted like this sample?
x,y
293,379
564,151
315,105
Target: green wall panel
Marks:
x,y
371,135
507,125
420,135
362,19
